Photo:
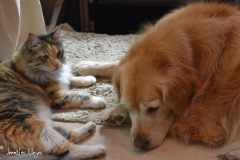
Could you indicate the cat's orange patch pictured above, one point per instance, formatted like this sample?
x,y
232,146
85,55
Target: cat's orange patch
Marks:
x,y
53,61
18,137
51,49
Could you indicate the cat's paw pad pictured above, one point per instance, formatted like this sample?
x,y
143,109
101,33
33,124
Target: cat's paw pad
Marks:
x,y
82,132
90,126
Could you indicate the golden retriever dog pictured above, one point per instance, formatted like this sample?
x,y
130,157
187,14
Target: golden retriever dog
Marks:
x,y
182,78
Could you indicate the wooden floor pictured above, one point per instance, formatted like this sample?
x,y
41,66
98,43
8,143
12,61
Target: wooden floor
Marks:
x,y
119,146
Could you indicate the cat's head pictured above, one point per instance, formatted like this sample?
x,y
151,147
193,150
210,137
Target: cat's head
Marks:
x,y
46,51
41,57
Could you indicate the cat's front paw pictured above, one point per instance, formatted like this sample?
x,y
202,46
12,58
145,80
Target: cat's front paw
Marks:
x,y
82,81
90,80
95,102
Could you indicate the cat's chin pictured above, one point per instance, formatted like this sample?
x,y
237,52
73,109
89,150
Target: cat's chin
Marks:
x,y
55,71
52,70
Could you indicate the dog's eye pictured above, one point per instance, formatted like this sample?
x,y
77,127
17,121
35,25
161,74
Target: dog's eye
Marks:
x,y
152,109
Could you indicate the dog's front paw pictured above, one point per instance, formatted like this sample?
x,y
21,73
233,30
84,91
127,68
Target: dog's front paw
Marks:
x,y
116,116
227,157
180,131
189,132
232,155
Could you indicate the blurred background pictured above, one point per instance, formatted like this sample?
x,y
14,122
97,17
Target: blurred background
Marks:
x,y
108,16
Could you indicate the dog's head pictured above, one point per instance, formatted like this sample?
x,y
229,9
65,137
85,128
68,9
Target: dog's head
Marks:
x,y
155,85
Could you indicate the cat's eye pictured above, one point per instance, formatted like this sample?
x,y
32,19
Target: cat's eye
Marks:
x,y
59,54
45,57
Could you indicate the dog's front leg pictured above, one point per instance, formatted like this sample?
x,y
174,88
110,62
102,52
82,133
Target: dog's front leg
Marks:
x,y
188,131
103,69
116,116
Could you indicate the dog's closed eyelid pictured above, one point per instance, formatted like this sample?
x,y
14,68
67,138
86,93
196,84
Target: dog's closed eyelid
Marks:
x,y
152,109
154,104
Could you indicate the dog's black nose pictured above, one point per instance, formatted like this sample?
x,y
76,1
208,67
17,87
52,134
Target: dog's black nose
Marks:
x,y
140,143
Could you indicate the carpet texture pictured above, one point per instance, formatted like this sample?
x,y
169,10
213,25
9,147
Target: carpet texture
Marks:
x,y
92,47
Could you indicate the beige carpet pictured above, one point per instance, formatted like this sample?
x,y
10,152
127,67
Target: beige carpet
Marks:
x,y
92,47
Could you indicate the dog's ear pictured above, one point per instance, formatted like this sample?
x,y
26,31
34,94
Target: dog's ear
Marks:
x,y
179,88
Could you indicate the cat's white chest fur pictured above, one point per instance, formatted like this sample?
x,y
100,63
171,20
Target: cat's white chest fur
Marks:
x,y
65,76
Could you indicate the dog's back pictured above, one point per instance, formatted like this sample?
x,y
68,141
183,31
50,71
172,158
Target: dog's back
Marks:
x,y
214,34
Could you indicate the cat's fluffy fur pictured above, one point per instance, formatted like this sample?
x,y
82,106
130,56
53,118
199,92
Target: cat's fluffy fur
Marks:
x,y
37,78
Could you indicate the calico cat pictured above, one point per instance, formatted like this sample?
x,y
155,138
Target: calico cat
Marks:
x,y
35,80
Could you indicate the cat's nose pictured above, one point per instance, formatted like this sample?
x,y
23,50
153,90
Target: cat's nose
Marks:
x,y
56,66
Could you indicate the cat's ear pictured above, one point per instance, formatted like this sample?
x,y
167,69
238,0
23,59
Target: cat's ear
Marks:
x,y
56,34
33,41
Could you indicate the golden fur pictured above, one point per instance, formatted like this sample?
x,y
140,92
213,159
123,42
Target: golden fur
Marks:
x,y
183,78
